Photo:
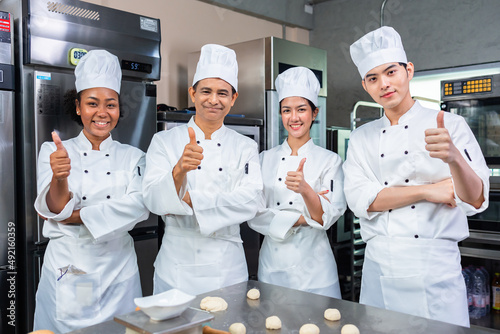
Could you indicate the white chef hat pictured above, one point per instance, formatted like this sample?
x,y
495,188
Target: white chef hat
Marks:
x,y
376,48
98,68
217,61
298,81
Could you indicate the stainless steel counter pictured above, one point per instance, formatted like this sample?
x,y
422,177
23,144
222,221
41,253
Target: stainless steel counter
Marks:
x,y
296,308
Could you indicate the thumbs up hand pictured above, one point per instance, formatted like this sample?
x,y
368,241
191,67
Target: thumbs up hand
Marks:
x,y
60,162
192,136
295,180
440,119
192,155
439,143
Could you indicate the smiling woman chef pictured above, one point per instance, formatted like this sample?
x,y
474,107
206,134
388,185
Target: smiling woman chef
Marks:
x,y
90,192
296,252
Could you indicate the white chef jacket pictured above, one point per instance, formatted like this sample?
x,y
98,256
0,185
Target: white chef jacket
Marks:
x,y
380,155
106,186
299,257
202,248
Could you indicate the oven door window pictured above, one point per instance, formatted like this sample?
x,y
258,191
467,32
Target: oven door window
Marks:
x,y
483,117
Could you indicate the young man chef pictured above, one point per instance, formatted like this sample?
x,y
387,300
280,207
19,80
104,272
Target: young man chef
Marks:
x,y
411,177
204,180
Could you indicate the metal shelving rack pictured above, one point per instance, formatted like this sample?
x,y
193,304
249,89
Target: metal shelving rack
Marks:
x,y
357,259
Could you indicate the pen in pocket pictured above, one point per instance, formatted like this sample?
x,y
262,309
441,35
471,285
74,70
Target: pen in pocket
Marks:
x,y
467,154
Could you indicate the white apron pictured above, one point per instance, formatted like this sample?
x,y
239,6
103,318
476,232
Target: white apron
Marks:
x,y
304,262
196,264
298,257
68,301
417,276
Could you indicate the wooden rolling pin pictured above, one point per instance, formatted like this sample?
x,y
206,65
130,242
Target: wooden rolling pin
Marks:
x,y
210,330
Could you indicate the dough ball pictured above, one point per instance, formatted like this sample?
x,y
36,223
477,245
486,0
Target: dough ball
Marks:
x,y
253,294
309,329
332,314
213,304
273,322
349,329
237,328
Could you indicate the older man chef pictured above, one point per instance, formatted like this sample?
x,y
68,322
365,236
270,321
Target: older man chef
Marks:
x,y
204,180
412,177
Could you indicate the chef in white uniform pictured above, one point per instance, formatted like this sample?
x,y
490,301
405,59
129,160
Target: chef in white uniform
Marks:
x,y
296,252
412,177
90,192
204,180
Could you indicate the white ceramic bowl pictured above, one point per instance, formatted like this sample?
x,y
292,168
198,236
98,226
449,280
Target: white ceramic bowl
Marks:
x,y
165,305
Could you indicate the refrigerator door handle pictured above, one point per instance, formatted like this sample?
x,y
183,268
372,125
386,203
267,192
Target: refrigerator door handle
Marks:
x,y
41,243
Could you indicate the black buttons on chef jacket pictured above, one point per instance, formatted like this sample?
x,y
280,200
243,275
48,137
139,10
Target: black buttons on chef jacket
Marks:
x,y
291,203
198,142
279,179
220,169
108,197
383,131
413,206
199,167
407,180
84,198
406,152
278,203
85,154
406,126
390,210
386,183
416,236
108,173
218,144
107,154
382,155
86,171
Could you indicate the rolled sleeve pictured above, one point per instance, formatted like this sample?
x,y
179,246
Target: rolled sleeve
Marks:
x,y
281,225
335,206
360,189
42,208
464,139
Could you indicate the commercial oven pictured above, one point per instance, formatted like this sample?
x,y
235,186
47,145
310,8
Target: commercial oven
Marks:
x,y
260,61
477,99
49,39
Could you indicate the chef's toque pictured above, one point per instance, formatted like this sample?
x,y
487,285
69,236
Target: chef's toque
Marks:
x,y
217,61
376,48
98,68
298,81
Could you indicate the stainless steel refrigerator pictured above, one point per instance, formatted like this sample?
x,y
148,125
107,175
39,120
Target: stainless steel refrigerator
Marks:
x,y
49,39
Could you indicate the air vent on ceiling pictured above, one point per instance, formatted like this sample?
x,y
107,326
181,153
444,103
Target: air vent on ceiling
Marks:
x,y
60,8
